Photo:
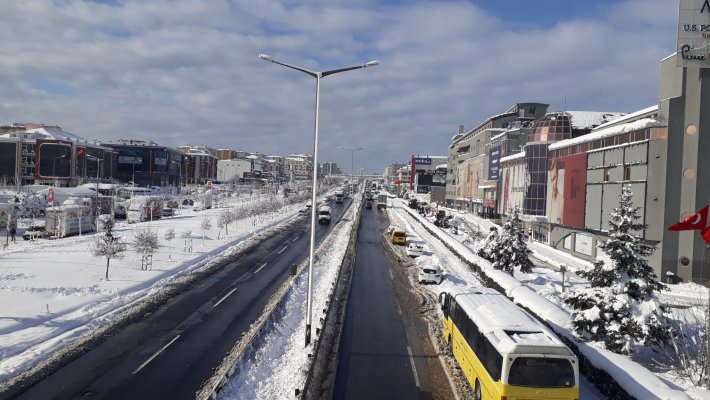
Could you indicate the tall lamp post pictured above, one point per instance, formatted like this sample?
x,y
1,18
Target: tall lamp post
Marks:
x,y
54,167
318,76
98,164
352,158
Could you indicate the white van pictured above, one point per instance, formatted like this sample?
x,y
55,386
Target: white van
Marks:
x,y
324,215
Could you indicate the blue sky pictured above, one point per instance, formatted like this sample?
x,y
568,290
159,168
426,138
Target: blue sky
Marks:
x,y
187,72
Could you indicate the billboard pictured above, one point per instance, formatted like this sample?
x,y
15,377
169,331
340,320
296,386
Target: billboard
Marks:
x,y
566,190
494,163
422,161
693,47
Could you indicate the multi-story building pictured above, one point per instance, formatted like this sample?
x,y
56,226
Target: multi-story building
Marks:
x,y
233,170
328,168
391,175
199,165
426,174
468,158
43,154
226,154
298,166
146,163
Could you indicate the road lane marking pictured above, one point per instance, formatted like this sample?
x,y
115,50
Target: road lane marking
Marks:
x,y
295,238
282,250
414,368
155,355
224,298
260,268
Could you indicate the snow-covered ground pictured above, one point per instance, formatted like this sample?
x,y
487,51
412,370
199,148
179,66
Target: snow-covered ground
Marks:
x,y
53,291
547,283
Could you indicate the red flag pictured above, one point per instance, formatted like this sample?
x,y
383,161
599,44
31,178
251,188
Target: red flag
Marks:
x,y
695,221
706,235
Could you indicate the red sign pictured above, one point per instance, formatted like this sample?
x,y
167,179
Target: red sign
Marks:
x,y
489,203
50,196
397,181
80,152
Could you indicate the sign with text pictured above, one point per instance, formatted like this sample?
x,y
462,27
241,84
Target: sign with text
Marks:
x,y
494,163
422,161
694,34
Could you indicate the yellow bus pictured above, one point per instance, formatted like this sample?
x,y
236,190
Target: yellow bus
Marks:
x,y
504,352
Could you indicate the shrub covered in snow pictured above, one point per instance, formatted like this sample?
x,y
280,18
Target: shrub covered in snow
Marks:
x,y
620,307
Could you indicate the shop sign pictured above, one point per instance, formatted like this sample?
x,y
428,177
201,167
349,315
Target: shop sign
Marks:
x,y
693,34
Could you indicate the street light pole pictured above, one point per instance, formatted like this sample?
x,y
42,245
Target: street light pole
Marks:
x,y
318,76
98,166
352,159
54,167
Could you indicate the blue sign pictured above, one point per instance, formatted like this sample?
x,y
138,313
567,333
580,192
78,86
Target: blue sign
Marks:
x,y
494,163
422,161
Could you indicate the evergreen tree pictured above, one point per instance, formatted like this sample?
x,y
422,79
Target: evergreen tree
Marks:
x,y
511,251
486,248
620,306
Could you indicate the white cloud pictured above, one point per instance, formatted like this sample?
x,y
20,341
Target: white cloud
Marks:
x,y
180,72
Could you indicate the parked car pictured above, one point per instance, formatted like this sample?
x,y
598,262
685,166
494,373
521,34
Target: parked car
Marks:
x,y
430,274
168,212
368,205
399,237
414,249
35,230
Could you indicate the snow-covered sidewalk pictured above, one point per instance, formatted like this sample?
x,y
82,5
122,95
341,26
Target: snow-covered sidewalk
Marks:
x,y
635,379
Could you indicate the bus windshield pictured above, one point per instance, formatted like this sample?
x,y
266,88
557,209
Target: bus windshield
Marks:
x,y
541,372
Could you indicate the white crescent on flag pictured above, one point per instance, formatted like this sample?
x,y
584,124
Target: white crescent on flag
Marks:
x,y
697,219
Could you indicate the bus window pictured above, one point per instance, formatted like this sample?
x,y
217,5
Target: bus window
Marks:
x,y
541,372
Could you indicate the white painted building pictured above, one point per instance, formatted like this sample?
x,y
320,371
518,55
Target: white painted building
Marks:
x,y
229,170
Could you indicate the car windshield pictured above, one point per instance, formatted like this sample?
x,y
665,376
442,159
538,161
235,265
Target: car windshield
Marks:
x,y
541,372
400,234
430,271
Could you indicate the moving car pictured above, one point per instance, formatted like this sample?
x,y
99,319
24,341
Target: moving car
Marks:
x,y
368,205
399,237
324,215
430,274
168,212
414,249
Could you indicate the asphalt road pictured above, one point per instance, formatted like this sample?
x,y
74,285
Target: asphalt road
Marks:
x,y
172,351
374,360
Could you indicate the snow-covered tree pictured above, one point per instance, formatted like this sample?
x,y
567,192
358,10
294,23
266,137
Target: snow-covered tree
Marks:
x,y
224,218
145,243
107,245
488,245
511,251
169,235
205,225
507,250
620,306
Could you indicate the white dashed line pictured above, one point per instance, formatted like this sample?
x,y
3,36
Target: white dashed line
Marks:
x,y
260,268
155,355
224,298
282,250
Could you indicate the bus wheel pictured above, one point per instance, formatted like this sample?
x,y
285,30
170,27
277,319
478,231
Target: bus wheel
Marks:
x,y
477,391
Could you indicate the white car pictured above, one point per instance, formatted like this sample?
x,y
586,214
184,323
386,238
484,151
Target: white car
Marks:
x,y
430,274
414,249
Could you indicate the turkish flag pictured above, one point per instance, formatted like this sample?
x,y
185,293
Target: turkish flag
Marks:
x,y
695,221
706,235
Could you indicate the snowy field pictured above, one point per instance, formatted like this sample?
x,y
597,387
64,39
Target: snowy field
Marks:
x,y
53,291
546,281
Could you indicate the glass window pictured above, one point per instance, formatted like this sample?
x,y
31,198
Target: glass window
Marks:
x,y
541,372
